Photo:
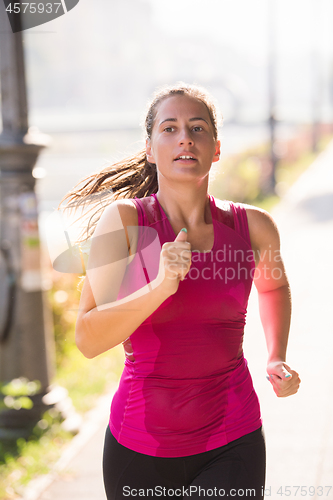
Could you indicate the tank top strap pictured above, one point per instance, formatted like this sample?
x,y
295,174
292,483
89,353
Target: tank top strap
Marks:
x,y
223,213
147,210
213,207
241,222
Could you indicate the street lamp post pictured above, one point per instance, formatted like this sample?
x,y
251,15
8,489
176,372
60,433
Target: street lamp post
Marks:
x,y
26,344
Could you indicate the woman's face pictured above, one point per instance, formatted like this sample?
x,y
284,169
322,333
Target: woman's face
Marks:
x,y
182,144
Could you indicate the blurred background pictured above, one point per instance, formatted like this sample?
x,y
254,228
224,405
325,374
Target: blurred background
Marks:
x,y
89,76
91,73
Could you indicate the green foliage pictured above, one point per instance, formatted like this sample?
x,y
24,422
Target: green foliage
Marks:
x,y
242,177
15,394
23,459
20,387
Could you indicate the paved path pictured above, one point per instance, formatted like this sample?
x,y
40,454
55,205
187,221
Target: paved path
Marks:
x,y
299,429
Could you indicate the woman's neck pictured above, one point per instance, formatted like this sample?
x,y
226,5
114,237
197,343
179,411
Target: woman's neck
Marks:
x,y
185,207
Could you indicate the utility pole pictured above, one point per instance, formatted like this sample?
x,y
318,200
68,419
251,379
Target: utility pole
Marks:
x,y
26,343
272,122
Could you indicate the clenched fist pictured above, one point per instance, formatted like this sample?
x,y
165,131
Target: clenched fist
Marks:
x,y
175,262
284,380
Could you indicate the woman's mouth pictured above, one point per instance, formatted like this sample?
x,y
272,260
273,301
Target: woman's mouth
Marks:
x,y
185,159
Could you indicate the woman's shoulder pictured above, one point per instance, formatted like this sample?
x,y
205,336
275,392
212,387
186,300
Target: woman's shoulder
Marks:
x,y
259,216
260,222
251,210
135,211
254,214
262,227
125,208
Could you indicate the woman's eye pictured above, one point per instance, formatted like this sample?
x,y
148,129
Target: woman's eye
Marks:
x,y
197,129
168,129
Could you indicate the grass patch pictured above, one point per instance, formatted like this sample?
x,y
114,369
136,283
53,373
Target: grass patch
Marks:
x,y
22,460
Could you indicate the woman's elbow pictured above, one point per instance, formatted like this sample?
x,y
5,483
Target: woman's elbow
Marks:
x,y
82,340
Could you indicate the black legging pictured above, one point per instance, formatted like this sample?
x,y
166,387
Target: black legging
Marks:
x,y
236,470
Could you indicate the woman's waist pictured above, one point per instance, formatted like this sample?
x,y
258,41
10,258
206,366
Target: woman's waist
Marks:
x,y
180,374
179,349
168,405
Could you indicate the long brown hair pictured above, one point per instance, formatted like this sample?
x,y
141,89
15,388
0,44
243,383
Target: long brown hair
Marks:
x,y
133,176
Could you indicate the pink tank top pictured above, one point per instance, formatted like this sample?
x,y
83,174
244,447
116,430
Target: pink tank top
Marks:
x,y
186,387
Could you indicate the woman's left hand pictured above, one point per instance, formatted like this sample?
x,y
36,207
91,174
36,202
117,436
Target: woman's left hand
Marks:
x,y
284,380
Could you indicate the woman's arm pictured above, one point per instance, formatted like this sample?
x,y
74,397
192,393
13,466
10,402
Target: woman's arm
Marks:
x,y
274,299
98,331
103,321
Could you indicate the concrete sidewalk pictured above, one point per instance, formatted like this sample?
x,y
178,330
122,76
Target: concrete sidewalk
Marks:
x,y
299,429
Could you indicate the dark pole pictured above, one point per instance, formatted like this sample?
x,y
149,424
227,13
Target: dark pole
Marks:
x,y
317,87
272,122
26,341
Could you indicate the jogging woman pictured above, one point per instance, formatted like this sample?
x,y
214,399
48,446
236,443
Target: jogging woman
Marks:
x,y
169,276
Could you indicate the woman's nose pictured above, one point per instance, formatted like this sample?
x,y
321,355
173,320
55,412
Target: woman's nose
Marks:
x,y
185,137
